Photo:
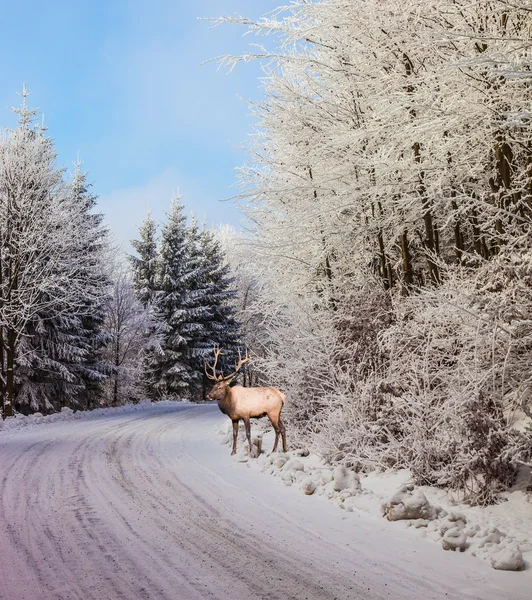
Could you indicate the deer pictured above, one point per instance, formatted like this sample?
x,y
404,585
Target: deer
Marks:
x,y
238,402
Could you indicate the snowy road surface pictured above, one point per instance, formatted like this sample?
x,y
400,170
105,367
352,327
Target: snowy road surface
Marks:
x,y
149,505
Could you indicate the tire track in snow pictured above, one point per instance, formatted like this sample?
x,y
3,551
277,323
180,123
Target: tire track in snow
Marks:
x,y
214,541
148,506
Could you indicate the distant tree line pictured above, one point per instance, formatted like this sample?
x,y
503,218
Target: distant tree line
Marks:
x,y
80,328
184,280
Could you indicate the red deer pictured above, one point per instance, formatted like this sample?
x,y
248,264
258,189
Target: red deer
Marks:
x,y
238,402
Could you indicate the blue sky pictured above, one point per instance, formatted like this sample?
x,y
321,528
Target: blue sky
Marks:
x,y
120,82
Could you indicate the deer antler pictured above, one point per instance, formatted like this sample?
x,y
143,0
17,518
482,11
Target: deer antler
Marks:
x,y
217,351
241,361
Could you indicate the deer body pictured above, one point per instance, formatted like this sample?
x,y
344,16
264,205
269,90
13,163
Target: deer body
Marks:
x,y
241,402
238,402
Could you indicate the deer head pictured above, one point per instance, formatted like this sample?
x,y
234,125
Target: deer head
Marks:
x,y
220,388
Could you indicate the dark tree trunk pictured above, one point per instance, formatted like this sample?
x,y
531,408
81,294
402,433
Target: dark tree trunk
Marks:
x,y
407,264
10,373
117,366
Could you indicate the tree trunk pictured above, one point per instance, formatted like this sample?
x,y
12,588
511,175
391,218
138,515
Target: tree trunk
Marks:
x,y
10,373
2,374
117,366
458,238
383,262
407,264
503,180
327,260
430,235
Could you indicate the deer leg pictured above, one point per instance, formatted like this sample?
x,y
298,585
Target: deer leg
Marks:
x,y
275,424
235,435
283,434
247,423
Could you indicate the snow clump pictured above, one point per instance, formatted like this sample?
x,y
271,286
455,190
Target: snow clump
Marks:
x,y
293,470
452,520
454,539
409,503
309,485
508,559
344,479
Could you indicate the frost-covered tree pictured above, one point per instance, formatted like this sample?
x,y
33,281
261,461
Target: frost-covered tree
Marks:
x,y
127,322
191,300
175,308
92,370
390,172
43,272
145,268
61,362
144,265
211,296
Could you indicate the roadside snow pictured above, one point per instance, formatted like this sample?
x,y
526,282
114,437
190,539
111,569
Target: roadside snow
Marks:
x,y
499,534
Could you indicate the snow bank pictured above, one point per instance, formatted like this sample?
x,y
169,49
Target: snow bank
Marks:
x,y
500,534
409,503
67,414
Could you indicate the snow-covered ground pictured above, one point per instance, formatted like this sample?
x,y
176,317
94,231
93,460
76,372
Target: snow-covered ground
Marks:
x,y
146,503
500,534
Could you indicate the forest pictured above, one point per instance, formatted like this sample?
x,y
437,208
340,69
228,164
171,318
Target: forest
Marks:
x,y
383,279
81,325
389,190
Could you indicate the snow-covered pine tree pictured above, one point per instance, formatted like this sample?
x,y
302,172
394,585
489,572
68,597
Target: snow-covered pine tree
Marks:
x,y
212,318
176,274
198,308
93,369
145,281
61,362
144,266
43,272
48,352
221,327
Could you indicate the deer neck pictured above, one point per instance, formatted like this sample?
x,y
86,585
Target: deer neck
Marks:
x,y
226,403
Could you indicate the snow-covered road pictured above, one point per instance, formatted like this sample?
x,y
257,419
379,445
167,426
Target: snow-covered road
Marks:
x,y
150,505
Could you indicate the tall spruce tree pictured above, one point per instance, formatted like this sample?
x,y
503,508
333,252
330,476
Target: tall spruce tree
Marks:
x,y
91,335
61,363
216,324
188,286
199,309
144,266
145,279
50,269
177,272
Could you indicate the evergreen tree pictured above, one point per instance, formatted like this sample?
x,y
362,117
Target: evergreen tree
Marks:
x,y
145,281
199,310
218,326
92,338
188,286
60,363
144,266
177,272
50,269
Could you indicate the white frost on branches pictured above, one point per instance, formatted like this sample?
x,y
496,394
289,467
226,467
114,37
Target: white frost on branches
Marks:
x,y
390,189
